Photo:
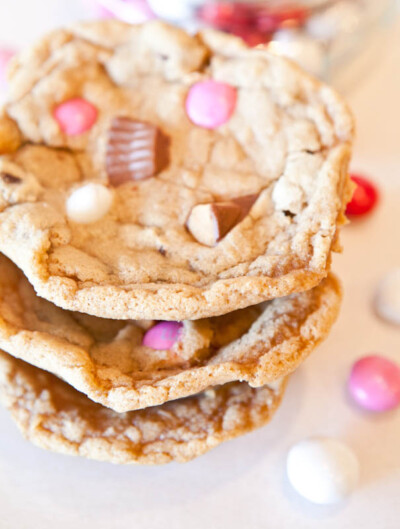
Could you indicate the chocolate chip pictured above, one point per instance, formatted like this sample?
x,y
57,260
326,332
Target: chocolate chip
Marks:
x,y
162,251
288,213
136,150
10,179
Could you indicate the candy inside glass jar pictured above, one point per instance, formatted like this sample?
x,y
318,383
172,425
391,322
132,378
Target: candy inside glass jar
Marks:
x,y
336,40
329,38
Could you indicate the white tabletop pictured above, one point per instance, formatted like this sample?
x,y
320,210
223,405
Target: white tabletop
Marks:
x,y
242,484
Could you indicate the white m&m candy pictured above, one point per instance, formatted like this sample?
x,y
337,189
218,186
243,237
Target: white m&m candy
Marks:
x,y
322,470
174,9
387,298
89,203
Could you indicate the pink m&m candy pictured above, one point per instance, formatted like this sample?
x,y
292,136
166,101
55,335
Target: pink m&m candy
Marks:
x,y
210,104
163,335
132,11
75,116
374,383
364,198
6,55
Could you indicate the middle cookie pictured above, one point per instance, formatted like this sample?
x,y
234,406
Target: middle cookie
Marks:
x,y
127,365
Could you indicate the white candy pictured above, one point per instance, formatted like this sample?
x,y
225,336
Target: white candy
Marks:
x,y
174,9
89,203
387,299
322,470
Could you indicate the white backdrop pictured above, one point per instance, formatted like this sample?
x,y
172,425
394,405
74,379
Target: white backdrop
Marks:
x,y
242,484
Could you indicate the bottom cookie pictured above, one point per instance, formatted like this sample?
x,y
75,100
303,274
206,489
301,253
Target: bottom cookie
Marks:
x,y
55,416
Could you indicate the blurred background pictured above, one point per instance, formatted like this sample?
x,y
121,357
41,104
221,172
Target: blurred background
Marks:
x,y
337,40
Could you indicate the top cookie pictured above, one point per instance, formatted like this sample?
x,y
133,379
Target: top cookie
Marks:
x,y
150,174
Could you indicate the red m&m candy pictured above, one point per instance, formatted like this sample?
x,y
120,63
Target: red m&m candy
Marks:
x,y
364,198
271,19
226,15
251,36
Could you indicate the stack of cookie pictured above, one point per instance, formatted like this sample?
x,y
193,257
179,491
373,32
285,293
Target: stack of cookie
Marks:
x,y
168,208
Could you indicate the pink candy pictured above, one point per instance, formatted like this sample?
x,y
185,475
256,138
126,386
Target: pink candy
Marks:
x,y
210,104
5,55
132,11
374,383
163,335
75,116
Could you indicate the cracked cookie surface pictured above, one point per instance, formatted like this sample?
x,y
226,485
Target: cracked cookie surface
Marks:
x,y
55,416
106,359
287,142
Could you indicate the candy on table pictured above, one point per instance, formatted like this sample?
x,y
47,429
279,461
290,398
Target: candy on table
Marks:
x,y
387,297
89,203
322,470
75,116
364,198
210,104
163,335
374,383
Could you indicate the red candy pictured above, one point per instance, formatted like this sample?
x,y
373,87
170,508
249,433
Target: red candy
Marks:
x,y
252,37
75,116
238,19
225,15
365,196
271,19
163,335
253,19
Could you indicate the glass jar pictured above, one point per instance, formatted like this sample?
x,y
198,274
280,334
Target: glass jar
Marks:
x,y
335,40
